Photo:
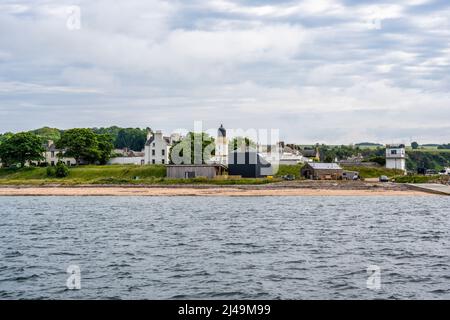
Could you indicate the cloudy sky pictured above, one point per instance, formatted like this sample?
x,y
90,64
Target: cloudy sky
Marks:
x,y
334,71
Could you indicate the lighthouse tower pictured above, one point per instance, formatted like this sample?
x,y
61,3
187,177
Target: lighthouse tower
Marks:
x,y
222,145
396,157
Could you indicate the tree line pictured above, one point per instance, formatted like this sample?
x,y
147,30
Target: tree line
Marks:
x,y
130,138
84,145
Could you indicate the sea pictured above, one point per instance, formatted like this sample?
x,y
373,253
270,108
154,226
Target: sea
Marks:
x,y
376,247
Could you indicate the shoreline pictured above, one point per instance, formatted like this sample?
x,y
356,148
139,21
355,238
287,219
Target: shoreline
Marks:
x,y
212,190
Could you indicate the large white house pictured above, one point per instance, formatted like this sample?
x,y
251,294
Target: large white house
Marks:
x,y
52,155
157,148
396,157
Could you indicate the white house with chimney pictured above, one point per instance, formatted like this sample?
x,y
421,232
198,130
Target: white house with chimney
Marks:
x,y
396,157
157,147
52,155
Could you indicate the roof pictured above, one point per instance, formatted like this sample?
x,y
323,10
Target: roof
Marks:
x,y
149,141
324,166
221,132
309,153
152,138
50,147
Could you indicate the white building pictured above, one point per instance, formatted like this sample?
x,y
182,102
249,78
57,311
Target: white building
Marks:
x,y
52,155
126,156
396,157
157,148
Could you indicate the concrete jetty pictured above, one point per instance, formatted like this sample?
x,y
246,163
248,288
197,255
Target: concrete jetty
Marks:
x,y
435,188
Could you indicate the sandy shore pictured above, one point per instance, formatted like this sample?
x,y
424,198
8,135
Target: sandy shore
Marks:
x,y
196,191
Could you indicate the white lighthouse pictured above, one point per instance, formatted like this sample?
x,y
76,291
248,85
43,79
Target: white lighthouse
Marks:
x,y
221,146
396,157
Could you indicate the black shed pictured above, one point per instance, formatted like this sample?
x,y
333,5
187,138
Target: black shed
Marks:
x,y
248,164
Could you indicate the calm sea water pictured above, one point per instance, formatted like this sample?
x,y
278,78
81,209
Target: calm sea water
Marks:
x,y
225,247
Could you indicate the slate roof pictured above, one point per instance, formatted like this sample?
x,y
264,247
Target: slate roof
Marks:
x,y
152,138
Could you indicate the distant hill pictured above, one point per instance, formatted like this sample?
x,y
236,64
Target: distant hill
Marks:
x,y
368,144
47,133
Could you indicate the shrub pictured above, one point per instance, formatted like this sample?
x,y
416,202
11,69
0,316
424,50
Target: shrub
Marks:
x,y
51,172
61,170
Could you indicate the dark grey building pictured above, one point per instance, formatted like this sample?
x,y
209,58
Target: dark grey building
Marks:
x,y
248,164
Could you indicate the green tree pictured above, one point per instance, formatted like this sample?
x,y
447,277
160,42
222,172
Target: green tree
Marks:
x,y
186,150
21,148
133,139
414,145
80,144
105,147
5,136
47,133
130,138
239,142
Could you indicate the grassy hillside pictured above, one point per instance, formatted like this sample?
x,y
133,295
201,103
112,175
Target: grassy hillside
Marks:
x,y
431,159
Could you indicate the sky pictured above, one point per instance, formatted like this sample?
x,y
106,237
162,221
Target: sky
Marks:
x,y
327,71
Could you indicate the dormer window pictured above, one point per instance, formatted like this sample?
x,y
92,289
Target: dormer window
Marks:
x,y
393,151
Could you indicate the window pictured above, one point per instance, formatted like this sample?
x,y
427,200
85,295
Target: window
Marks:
x,y
153,161
189,174
162,161
153,152
393,151
68,163
53,163
163,152
153,144
53,154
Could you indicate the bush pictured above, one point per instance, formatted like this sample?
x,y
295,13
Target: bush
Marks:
x,y
61,170
415,179
51,172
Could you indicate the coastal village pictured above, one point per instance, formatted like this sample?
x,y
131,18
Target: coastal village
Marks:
x,y
237,161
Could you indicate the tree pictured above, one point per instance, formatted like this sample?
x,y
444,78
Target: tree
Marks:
x,y
130,138
105,147
444,146
47,133
21,148
80,144
5,136
184,151
242,142
414,145
133,139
